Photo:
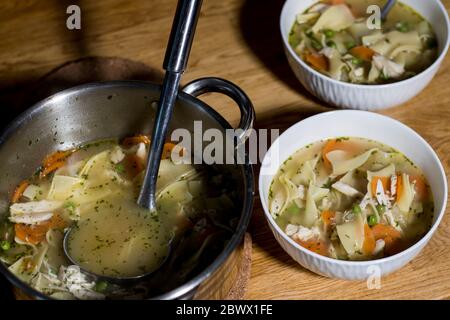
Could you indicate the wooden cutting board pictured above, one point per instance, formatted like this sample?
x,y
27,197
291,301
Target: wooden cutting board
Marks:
x,y
238,40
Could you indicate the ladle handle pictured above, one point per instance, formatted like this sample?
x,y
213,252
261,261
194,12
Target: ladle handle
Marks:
x,y
387,8
207,85
175,62
182,35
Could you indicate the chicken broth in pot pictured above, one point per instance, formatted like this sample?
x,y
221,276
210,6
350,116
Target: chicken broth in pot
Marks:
x,y
93,189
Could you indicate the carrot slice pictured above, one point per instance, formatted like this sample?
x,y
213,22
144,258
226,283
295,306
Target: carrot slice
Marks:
x,y
392,238
317,61
54,161
131,141
363,53
34,234
420,187
29,234
167,151
315,245
329,146
385,181
382,231
57,156
18,192
369,240
327,218
51,168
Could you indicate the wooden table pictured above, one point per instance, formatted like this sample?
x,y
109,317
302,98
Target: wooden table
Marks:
x,y
238,40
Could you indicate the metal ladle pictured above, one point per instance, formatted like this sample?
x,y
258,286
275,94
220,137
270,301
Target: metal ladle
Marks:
x,y
175,61
387,8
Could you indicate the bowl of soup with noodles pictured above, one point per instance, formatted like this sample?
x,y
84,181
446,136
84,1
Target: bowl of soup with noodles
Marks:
x,y
354,190
342,51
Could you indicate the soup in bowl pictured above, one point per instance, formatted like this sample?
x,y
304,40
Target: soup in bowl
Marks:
x,y
358,67
351,199
354,190
341,40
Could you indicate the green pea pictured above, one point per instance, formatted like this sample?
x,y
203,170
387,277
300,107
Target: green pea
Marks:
x,y
402,26
356,209
372,220
101,286
331,44
380,208
328,33
356,61
5,245
350,44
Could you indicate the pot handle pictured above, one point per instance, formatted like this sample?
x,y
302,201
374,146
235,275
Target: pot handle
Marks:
x,y
211,84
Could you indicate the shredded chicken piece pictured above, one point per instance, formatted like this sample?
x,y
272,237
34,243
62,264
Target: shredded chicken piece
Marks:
x,y
390,68
366,201
117,155
291,229
304,234
78,284
389,217
328,52
393,185
359,72
381,195
346,189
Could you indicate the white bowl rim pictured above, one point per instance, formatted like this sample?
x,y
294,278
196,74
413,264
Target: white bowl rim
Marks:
x,y
394,257
436,63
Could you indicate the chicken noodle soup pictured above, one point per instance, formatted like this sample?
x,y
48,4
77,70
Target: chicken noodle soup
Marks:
x,y
338,39
94,189
351,199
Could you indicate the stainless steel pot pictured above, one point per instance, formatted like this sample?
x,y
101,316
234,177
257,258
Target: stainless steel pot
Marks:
x,y
118,109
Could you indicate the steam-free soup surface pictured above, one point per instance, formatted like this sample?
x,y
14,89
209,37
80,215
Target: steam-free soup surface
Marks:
x,y
351,199
119,240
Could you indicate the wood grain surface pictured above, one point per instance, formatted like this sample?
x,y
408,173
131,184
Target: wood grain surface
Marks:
x,y
238,40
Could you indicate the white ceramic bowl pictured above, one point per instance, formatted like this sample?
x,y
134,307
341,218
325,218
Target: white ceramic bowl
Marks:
x,y
365,97
353,124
